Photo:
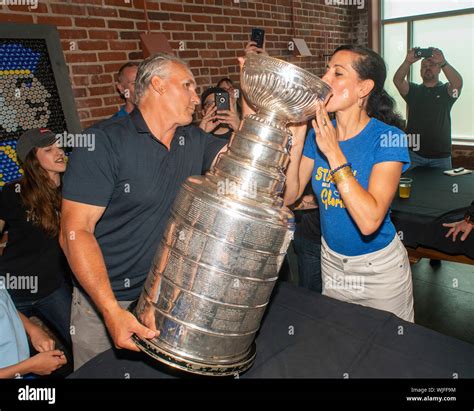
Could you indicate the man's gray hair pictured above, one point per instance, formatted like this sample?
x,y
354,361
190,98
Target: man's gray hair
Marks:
x,y
156,65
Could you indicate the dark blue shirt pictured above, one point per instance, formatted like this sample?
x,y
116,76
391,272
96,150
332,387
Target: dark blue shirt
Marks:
x,y
376,143
136,178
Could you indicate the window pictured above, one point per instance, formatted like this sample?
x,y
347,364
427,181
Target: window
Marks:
x,y
445,24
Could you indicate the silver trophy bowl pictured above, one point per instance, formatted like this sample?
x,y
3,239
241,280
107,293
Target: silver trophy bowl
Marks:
x,y
228,233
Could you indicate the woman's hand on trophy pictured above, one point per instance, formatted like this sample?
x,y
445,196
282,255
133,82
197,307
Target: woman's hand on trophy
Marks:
x,y
298,131
208,122
122,324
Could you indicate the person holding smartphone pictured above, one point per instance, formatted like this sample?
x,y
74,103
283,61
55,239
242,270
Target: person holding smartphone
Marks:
x,y
219,122
429,106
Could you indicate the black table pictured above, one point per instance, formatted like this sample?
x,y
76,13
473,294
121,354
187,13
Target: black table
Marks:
x,y
307,335
435,199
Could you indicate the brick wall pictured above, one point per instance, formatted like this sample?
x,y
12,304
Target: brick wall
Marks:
x,y
98,36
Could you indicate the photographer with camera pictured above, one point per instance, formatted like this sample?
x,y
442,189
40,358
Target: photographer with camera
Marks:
x,y
219,116
429,105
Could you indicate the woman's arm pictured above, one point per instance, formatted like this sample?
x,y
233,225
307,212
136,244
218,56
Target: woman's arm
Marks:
x,y
2,226
300,167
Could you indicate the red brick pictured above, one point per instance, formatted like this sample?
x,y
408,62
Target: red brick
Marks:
x,y
195,63
68,9
16,18
83,115
120,3
80,80
171,7
88,1
112,67
103,34
93,45
195,27
102,79
102,11
123,45
109,101
223,20
154,26
113,56
72,34
213,63
214,28
129,35
135,56
81,58
103,112
101,90
90,102
185,54
120,24
79,92
208,54
87,69
180,17
183,36
133,15
55,21
174,26
88,22
202,19
158,16
203,36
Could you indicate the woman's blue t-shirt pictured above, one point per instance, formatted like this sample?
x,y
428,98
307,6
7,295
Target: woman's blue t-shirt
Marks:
x,y
376,143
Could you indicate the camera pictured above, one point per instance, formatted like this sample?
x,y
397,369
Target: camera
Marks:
x,y
222,100
258,35
419,52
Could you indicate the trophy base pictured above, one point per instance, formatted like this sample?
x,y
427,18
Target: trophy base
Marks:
x,y
196,367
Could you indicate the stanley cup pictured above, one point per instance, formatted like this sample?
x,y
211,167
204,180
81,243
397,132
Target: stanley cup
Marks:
x,y
228,233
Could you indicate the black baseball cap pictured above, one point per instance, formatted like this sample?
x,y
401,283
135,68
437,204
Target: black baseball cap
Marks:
x,y
34,138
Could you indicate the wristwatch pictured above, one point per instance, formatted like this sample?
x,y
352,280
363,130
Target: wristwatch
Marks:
x,y
444,64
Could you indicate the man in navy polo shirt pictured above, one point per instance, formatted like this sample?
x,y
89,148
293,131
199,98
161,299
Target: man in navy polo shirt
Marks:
x,y
117,199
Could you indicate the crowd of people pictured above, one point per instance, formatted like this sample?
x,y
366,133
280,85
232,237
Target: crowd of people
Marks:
x,y
88,228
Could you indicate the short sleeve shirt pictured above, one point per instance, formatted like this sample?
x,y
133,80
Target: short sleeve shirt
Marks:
x,y
429,119
136,178
376,143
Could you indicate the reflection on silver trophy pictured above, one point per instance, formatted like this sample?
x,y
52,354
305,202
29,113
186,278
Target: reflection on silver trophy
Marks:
x,y
227,236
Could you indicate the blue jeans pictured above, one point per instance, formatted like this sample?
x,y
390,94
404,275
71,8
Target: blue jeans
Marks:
x,y
309,262
54,308
417,160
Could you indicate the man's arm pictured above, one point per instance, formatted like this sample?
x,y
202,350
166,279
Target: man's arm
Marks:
x,y
85,258
454,78
399,79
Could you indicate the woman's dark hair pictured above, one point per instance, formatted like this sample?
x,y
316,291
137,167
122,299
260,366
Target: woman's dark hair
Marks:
x,y
371,66
39,196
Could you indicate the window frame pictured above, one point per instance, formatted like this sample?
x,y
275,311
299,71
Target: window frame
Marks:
x,y
377,40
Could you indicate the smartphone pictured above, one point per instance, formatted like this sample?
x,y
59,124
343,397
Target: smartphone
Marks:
x,y
222,101
419,52
258,35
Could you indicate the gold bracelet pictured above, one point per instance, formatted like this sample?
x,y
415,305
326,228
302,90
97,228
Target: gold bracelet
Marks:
x,y
342,175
